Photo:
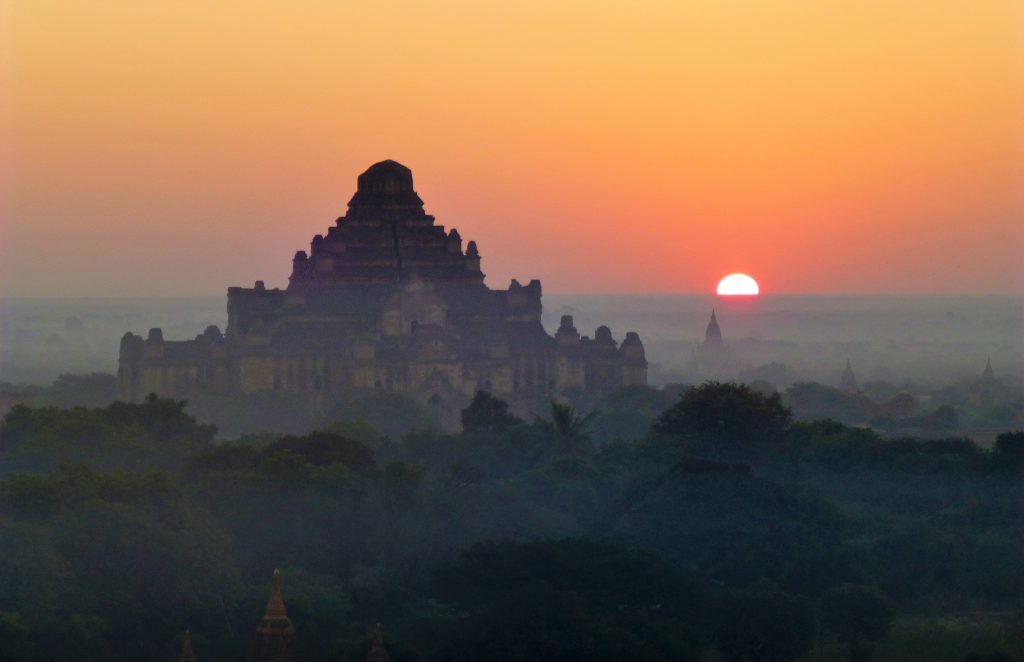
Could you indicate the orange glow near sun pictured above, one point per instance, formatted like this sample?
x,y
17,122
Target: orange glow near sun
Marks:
x,y
896,121
738,284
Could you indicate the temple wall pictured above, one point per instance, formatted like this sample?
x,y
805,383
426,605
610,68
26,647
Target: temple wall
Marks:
x,y
634,374
603,375
570,373
257,373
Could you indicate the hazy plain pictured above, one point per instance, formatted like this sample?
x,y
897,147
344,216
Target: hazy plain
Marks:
x,y
930,339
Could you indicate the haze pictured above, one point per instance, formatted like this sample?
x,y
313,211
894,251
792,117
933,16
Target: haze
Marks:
x,y
173,149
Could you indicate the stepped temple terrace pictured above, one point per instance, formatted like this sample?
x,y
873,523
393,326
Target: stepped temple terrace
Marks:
x,y
386,299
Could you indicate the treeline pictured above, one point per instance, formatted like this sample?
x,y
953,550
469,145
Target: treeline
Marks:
x,y
722,530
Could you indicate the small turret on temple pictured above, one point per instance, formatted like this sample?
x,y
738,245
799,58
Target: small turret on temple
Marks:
x,y
388,299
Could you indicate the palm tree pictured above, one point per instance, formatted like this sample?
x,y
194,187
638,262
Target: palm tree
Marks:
x,y
567,423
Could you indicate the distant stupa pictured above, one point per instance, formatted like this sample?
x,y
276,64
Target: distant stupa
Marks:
x,y
377,650
713,334
988,390
186,649
275,639
848,382
712,359
988,375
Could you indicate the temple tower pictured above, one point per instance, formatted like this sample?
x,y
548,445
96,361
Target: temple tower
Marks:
x,y
848,382
712,359
988,375
275,639
386,299
377,651
186,649
713,334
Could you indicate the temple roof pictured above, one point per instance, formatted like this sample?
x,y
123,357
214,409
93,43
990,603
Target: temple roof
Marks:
x,y
385,187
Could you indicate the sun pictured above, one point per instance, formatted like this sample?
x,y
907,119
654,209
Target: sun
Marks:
x,y
738,284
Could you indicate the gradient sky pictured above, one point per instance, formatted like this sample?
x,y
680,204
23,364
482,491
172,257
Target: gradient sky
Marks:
x,y
176,148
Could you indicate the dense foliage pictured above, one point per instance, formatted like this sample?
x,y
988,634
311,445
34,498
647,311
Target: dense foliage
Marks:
x,y
717,529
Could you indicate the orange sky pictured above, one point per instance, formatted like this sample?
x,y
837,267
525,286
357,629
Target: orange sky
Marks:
x,y
176,148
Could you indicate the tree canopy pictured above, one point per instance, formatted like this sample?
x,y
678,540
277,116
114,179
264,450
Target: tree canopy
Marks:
x,y
725,413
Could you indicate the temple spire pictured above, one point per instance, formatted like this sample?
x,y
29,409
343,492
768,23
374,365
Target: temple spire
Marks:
x,y
848,382
713,334
989,374
377,650
275,605
275,639
186,650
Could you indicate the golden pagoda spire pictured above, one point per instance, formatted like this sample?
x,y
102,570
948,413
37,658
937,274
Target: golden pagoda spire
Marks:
x,y
275,622
275,605
186,650
275,639
377,650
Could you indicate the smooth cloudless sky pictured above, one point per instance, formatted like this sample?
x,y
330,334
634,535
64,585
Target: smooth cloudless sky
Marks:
x,y
178,147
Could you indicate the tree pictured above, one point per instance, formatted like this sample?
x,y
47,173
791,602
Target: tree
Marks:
x,y
157,432
322,449
764,624
572,599
14,638
567,423
725,413
1009,446
857,615
401,480
96,389
487,413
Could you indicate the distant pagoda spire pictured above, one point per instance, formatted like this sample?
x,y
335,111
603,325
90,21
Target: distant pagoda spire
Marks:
x,y
377,651
989,374
186,649
275,605
848,382
275,639
713,334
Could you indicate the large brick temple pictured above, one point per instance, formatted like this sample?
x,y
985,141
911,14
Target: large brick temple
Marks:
x,y
386,299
